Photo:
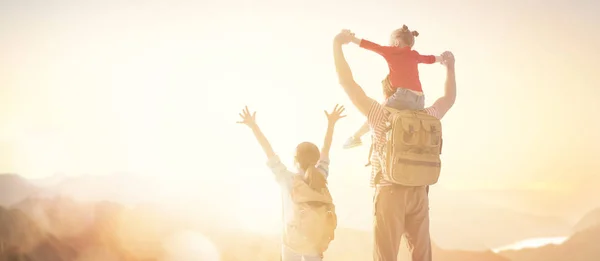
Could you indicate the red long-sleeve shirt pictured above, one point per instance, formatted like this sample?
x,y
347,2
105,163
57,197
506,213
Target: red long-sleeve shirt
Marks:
x,y
403,64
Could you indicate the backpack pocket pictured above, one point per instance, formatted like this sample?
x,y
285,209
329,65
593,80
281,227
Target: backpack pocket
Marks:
x,y
432,135
409,135
415,171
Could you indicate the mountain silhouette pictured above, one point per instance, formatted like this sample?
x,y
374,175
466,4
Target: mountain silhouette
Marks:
x,y
345,247
122,188
94,230
61,216
461,255
486,220
14,188
49,181
22,239
581,246
134,234
591,219
60,228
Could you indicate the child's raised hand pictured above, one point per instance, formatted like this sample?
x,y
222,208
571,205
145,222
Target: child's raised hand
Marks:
x,y
336,114
248,119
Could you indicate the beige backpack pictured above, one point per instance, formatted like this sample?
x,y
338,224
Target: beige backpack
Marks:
x,y
413,147
314,222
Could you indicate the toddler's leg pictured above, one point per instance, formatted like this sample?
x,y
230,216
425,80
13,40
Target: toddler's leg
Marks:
x,y
354,140
404,99
364,129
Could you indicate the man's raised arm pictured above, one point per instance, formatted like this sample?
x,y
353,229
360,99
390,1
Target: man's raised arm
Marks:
x,y
444,103
356,94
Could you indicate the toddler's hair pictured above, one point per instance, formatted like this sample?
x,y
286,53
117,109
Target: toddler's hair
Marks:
x,y
403,35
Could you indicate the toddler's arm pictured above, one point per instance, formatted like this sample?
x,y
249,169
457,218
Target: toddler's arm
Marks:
x,y
429,59
371,46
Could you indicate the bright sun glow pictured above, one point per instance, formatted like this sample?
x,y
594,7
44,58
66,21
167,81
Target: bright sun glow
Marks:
x,y
192,246
260,209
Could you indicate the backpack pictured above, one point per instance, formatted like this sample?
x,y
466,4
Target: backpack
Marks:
x,y
314,221
412,149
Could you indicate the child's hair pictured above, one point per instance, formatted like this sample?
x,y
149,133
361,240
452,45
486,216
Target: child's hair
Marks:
x,y
404,36
307,156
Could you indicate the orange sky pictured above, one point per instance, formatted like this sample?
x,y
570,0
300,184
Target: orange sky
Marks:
x,y
156,88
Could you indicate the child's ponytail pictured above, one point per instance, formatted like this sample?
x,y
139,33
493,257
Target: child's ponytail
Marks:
x,y
315,179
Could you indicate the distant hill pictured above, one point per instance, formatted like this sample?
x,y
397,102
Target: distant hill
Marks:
x,y
14,188
122,188
349,245
49,221
101,230
91,231
49,181
458,255
357,245
114,232
131,234
591,219
582,246
61,216
20,237
486,219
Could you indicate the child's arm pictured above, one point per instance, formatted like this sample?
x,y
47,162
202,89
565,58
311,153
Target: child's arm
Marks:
x,y
250,120
282,174
371,46
262,140
428,59
332,118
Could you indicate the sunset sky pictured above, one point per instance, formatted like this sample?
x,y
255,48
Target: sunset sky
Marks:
x,y
155,87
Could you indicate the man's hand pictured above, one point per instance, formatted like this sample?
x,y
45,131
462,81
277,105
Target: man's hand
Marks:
x,y
448,59
344,37
353,37
336,114
249,119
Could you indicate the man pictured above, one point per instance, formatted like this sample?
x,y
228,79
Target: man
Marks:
x,y
398,209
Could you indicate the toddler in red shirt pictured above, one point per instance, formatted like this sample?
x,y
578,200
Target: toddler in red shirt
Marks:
x,y
403,79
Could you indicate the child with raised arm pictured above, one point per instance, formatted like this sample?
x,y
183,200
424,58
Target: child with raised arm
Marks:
x,y
308,210
403,78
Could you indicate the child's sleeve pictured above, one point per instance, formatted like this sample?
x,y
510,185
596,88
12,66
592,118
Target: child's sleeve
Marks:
x,y
282,174
427,59
371,46
323,166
